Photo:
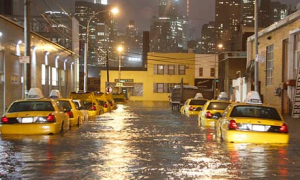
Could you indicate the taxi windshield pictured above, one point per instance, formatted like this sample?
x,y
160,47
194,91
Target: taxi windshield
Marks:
x,y
217,105
31,106
255,112
197,102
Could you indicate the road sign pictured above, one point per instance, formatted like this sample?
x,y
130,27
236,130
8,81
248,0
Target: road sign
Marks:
x,y
119,84
24,59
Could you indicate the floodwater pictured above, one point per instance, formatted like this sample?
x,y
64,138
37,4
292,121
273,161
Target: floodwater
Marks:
x,y
145,140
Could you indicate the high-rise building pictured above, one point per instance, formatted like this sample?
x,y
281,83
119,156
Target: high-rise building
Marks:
x,y
6,7
227,24
102,33
166,31
208,38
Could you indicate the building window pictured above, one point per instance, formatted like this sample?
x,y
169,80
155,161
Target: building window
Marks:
x,y
200,71
43,74
181,69
269,67
160,87
160,69
212,72
171,69
54,77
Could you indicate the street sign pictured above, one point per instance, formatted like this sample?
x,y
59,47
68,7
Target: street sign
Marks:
x,y
119,84
24,59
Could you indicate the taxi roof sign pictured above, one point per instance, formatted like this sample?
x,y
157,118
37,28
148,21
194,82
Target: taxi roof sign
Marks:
x,y
253,97
55,94
35,93
223,96
198,96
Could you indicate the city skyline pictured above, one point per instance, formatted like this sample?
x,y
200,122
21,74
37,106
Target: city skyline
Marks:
x,y
142,11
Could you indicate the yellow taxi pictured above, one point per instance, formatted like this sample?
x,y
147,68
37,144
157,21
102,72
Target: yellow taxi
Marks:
x,y
211,111
76,117
111,101
34,115
192,106
252,122
102,100
89,101
119,98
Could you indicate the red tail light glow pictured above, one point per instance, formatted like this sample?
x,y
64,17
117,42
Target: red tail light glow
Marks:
x,y
51,118
70,114
232,125
105,105
93,108
191,108
208,115
283,128
4,120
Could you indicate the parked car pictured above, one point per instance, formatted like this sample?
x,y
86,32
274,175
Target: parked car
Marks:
x,y
111,101
102,100
90,102
79,105
34,115
192,106
252,122
119,98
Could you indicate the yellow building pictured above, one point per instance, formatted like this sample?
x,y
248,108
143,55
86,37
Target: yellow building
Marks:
x,y
279,59
164,70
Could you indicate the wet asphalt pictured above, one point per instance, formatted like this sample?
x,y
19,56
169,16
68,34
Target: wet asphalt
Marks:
x,y
146,140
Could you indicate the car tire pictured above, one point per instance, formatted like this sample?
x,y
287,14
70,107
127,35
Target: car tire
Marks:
x,y
62,127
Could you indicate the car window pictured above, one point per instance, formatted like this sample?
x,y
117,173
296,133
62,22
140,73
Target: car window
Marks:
x,y
101,103
31,106
256,112
217,105
65,105
198,102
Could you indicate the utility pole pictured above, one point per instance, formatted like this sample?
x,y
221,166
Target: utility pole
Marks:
x,y
256,47
27,69
107,71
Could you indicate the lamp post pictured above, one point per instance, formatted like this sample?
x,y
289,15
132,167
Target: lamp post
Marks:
x,y
86,45
220,46
120,50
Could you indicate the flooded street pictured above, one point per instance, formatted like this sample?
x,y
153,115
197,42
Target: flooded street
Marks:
x,y
145,141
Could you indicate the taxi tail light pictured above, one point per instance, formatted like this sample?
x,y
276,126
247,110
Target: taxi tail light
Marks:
x,y
191,108
208,115
283,128
232,125
70,114
51,118
93,108
105,105
4,120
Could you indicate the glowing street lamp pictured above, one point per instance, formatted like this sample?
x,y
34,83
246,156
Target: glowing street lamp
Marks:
x,y
113,11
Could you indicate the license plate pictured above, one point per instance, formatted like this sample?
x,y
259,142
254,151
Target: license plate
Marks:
x,y
258,128
27,120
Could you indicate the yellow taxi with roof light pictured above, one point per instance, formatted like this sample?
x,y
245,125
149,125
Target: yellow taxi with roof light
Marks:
x,y
76,117
252,122
102,100
212,110
192,106
34,115
90,102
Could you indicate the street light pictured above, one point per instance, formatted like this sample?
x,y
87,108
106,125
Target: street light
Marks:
x,y
120,50
219,46
113,11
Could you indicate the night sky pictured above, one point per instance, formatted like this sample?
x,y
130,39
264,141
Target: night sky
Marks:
x,y
142,11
